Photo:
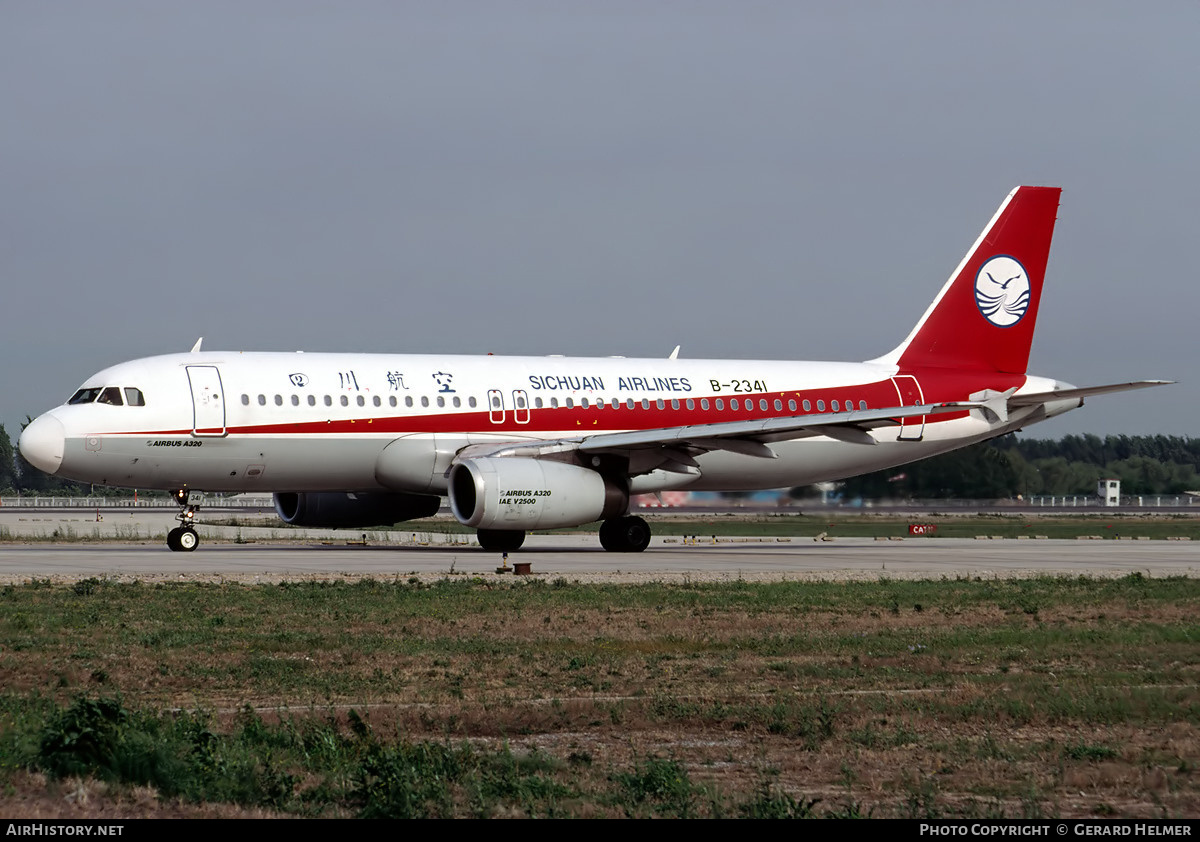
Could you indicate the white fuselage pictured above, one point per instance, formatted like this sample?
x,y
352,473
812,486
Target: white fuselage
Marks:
x,y
283,422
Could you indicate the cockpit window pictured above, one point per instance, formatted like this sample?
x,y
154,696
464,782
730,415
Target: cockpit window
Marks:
x,y
110,395
134,397
85,395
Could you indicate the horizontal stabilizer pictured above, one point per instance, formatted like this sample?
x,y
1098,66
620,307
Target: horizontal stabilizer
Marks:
x,y
1085,392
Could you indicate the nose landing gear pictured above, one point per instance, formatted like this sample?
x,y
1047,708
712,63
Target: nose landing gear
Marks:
x,y
183,538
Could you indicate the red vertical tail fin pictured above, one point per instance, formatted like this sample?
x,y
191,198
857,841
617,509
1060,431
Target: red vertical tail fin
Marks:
x,y
983,318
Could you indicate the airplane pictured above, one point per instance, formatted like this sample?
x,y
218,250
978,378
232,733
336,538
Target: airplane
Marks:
x,y
529,443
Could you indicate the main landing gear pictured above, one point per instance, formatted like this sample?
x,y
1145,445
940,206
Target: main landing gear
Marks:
x,y
629,534
183,538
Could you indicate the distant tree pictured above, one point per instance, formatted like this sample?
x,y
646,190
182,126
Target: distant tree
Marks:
x,y
981,471
8,464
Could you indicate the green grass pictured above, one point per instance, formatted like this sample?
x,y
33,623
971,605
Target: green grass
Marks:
x,y
466,697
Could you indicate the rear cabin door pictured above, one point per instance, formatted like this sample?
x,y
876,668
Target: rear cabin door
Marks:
x,y
208,400
909,392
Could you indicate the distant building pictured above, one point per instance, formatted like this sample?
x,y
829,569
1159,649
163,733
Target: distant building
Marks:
x,y
1109,492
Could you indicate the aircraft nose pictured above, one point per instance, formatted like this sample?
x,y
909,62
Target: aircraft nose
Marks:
x,y
43,442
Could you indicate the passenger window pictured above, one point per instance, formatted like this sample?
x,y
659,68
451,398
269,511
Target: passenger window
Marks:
x,y
328,400
424,400
133,397
361,401
245,400
674,403
645,403
807,406
408,401
778,405
471,402
312,400
441,401
762,404
553,403
537,402
583,403
345,401
570,403
457,401
720,405
792,405
111,395
820,406
629,403
704,403
392,401
279,400
862,404
734,405
659,403
834,406
262,400
295,400
375,400
691,404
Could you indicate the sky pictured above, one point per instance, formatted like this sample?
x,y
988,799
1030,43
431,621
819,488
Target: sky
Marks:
x,y
761,180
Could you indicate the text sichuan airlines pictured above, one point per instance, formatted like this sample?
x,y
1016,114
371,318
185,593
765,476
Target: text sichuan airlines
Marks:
x,y
555,382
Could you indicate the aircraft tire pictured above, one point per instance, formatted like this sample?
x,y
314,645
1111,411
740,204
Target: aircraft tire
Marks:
x,y
628,534
188,540
608,535
500,540
173,539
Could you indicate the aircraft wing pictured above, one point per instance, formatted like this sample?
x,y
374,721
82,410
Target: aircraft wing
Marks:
x,y
736,435
748,437
752,437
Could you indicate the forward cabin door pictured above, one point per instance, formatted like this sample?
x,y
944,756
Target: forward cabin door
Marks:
x,y
909,392
208,400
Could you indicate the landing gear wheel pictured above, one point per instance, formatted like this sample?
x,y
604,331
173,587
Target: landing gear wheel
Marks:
x,y
501,540
183,538
629,534
188,540
609,536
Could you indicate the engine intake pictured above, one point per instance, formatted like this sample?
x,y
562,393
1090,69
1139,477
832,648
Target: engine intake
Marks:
x,y
520,493
337,509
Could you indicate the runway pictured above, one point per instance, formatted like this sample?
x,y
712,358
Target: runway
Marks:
x,y
579,558
71,545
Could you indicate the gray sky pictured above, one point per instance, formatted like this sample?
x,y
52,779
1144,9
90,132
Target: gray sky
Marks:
x,y
778,180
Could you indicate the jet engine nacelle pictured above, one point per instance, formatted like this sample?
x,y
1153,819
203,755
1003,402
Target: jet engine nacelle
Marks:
x,y
519,493
336,509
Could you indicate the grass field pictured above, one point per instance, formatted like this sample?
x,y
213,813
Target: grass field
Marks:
x,y
456,697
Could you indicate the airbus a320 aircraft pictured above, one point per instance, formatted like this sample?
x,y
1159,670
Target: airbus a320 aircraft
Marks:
x,y
526,443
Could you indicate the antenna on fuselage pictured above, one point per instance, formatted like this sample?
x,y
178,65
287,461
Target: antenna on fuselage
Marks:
x,y
674,354
196,347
